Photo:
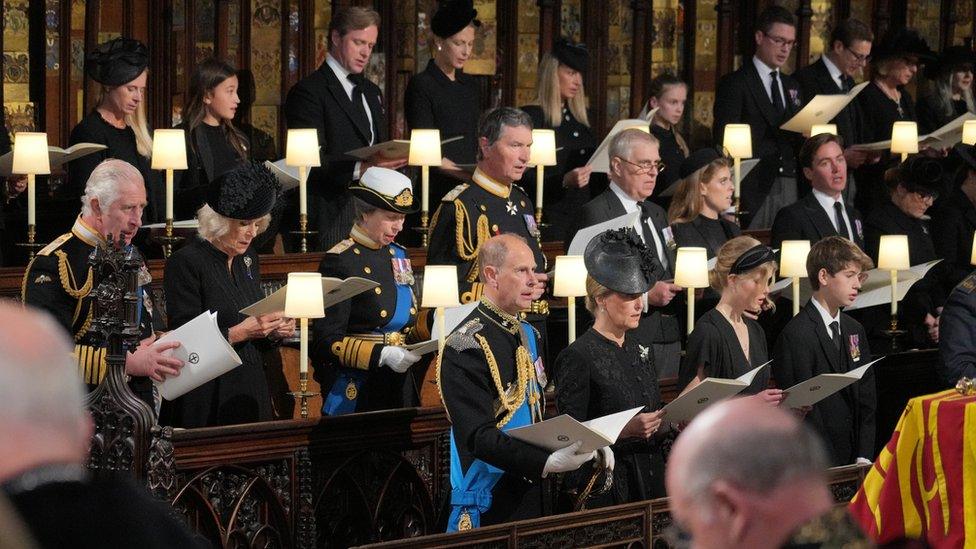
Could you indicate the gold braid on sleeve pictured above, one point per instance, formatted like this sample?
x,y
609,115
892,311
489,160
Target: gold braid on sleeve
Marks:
x,y
466,248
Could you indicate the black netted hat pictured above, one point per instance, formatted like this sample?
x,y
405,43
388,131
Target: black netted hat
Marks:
x,y
452,16
248,191
620,261
116,62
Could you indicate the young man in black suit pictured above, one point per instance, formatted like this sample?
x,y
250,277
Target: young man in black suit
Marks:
x,y
823,212
760,95
833,73
635,162
821,340
346,109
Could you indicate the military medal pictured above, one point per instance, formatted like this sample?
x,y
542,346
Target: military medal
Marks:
x,y
511,208
351,391
531,225
855,347
402,272
464,521
540,372
860,230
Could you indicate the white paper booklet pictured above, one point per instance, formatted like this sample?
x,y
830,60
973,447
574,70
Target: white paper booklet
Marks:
x,y
561,431
452,319
706,393
395,148
821,110
334,290
817,388
56,155
181,224
942,138
204,352
286,175
876,289
584,236
600,161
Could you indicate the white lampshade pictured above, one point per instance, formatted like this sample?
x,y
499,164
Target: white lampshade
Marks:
x,y
543,152
793,258
823,128
304,298
893,252
691,268
440,286
738,140
570,276
31,154
425,148
969,132
904,138
302,148
972,256
169,150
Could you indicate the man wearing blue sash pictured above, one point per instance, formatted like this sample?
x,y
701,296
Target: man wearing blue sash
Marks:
x,y
358,347
491,380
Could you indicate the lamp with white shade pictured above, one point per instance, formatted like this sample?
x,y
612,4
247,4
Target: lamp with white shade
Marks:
x,y
425,151
440,290
893,256
302,151
969,132
904,139
31,159
169,153
738,144
542,153
304,300
793,265
691,272
570,282
818,129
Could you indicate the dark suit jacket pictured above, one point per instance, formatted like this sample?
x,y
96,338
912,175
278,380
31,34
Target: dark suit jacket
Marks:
x,y
319,101
741,98
814,79
846,420
806,220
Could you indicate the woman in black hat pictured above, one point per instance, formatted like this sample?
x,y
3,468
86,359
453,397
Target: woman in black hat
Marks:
x,y
951,93
726,343
220,272
605,371
118,121
358,349
703,195
954,219
914,185
443,97
560,105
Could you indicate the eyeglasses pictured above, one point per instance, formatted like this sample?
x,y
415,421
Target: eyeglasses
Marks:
x,y
858,57
780,41
646,167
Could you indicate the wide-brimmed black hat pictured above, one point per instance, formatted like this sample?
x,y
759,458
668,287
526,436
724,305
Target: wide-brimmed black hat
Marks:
x,y
902,42
698,160
116,62
620,261
951,58
920,174
387,189
248,191
452,16
571,54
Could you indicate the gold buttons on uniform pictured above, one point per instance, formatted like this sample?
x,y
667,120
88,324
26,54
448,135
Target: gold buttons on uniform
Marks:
x,y
413,311
378,290
383,313
391,251
494,228
522,202
355,251
483,208
367,270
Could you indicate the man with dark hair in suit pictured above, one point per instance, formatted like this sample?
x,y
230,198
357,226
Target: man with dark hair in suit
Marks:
x,y
346,109
635,163
850,50
823,212
760,95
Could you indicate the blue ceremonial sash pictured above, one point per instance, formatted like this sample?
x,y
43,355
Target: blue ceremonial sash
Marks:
x,y
342,397
471,491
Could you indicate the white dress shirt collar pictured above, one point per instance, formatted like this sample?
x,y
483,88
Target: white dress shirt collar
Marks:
x,y
825,315
835,73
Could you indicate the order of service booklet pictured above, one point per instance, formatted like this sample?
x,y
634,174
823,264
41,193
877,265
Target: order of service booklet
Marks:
x,y
205,353
706,393
561,431
817,388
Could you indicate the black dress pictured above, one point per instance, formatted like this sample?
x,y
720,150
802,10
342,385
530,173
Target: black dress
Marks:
x,y
121,143
705,232
879,112
197,280
672,155
575,144
930,114
714,345
596,377
434,101
208,155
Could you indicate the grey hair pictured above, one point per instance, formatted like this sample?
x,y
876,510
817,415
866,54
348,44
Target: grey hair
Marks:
x,y
494,121
103,183
362,208
941,95
39,380
213,225
622,144
494,251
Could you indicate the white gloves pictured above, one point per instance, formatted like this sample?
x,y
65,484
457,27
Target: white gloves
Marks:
x,y
397,359
606,456
565,460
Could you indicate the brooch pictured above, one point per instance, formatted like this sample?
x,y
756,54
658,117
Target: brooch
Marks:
x,y
247,265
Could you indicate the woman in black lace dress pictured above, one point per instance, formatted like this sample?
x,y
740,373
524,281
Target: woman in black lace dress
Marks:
x,y
606,371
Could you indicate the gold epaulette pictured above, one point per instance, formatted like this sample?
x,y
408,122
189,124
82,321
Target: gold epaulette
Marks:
x,y
55,244
453,193
341,246
474,294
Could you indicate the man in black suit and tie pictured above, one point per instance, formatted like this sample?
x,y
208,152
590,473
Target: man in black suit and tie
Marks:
x,y
833,73
635,162
845,420
347,111
760,95
823,212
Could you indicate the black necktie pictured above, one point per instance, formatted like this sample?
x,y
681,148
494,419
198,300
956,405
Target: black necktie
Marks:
x,y
647,225
775,93
835,334
357,103
842,228
846,83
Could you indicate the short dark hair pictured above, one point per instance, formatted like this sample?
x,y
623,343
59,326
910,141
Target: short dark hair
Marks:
x,y
353,18
834,253
813,144
772,15
491,123
849,30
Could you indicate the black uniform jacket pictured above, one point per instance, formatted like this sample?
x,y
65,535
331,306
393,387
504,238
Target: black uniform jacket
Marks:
x,y
805,219
957,333
804,350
